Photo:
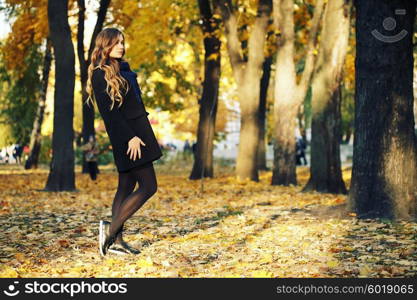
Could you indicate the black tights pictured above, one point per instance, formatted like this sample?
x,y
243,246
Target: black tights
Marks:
x,y
126,202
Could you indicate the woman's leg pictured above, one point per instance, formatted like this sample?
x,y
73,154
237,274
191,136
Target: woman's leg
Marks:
x,y
90,165
94,170
147,187
125,187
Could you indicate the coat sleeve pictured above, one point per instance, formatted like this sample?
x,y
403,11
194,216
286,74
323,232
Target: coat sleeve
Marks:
x,y
114,118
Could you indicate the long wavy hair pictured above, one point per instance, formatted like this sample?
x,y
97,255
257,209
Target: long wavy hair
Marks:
x,y
100,59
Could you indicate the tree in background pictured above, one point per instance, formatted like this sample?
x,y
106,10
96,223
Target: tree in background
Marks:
x,y
263,95
22,53
203,162
290,94
325,170
348,88
35,137
88,112
21,95
61,176
247,74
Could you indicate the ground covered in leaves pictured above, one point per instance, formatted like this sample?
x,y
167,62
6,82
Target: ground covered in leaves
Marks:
x,y
227,229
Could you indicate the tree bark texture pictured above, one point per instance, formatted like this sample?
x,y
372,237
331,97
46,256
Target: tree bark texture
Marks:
x,y
61,176
325,167
248,76
203,162
289,94
384,173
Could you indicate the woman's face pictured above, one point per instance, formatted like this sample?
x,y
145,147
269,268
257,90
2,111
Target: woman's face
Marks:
x,y
118,49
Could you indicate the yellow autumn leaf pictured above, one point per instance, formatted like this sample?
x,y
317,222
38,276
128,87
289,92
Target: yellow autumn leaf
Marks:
x,y
113,261
148,235
9,272
232,276
213,56
348,248
364,271
145,262
165,263
262,274
267,258
332,263
20,257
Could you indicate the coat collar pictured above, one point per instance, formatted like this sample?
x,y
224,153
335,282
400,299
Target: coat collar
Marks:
x,y
128,74
124,66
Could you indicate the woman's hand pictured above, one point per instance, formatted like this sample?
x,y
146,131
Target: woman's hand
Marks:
x,y
134,147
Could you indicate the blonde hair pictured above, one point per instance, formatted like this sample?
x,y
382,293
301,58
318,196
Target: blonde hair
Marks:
x,y
100,59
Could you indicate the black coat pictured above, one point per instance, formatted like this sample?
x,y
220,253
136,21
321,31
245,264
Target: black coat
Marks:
x,y
126,122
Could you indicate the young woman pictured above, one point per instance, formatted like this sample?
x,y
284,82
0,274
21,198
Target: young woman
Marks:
x,y
135,147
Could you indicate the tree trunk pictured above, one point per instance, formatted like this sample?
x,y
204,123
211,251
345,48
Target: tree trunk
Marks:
x,y
88,112
325,170
284,147
35,137
203,162
266,75
248,76
306,115
61,176
288,94
384,172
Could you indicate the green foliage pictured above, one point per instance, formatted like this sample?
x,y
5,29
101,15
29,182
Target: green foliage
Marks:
x,y
163,159
307,108
19,99
162,92
6,137
46,147
348,110
299,66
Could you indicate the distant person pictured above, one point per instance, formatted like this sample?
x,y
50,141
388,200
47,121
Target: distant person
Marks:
x,y
91,151
187,147
26,151
300,146
14,152
187,150
17,153
171,146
